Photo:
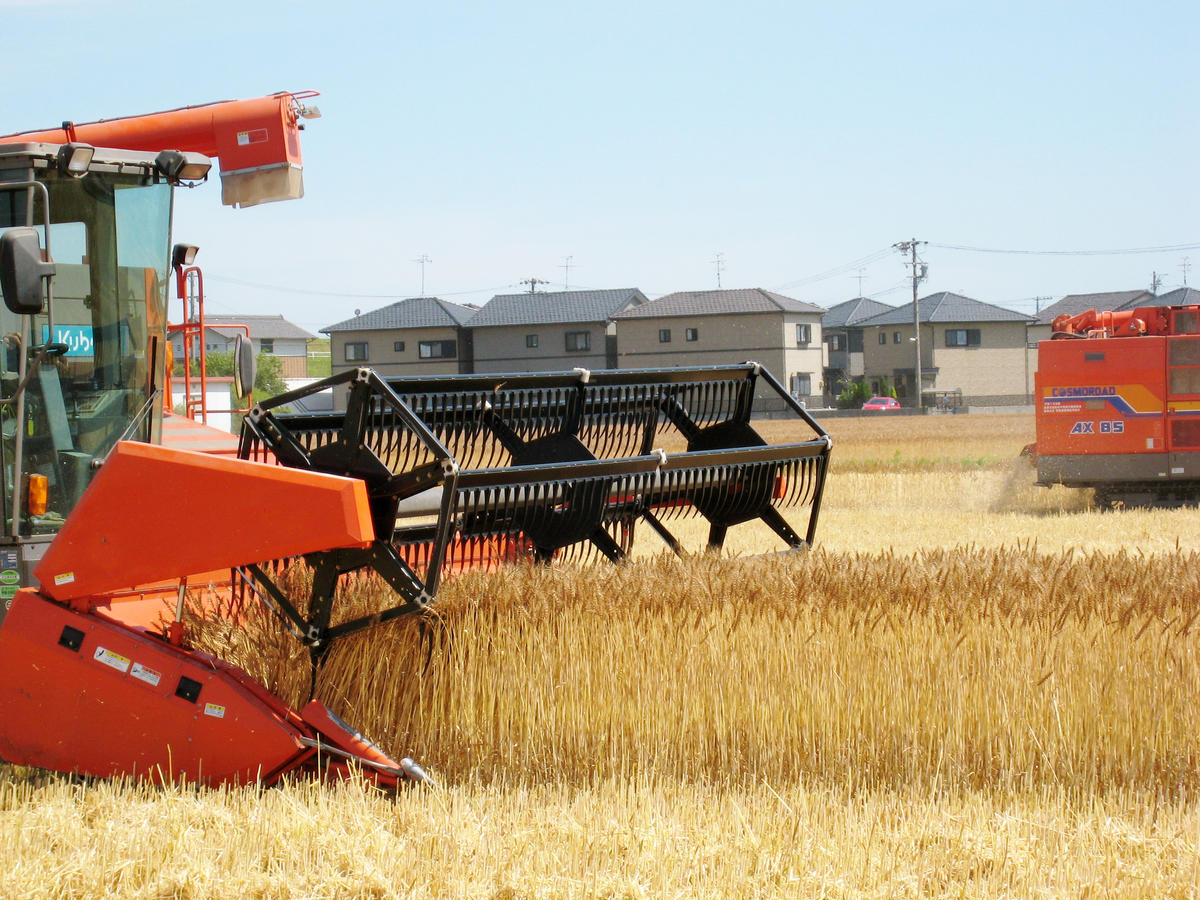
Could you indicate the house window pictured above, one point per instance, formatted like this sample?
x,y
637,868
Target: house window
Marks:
x,y
437,349
962,337
356,351
664,335
267,345
531,341
691,334
803,334
398,346
837,342
883,337
801,384
895,337
579,340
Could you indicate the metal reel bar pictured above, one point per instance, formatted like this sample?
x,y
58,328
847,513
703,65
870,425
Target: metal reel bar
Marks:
x,y
480,470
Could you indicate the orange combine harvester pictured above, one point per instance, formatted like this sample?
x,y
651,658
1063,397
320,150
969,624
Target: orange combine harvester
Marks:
x,y
1118,405
413,479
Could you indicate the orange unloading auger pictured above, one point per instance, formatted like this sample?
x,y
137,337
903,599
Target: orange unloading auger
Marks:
x,y
257,141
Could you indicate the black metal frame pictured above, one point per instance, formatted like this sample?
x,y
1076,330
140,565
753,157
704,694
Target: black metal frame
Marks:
x,y
548,460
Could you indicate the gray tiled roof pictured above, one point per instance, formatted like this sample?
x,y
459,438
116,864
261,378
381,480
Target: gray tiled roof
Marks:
x,y
415,312
269,327
1183,296
557,306
852,312
715,303
947,307
1074,304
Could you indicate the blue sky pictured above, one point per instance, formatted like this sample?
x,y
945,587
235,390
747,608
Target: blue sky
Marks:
x,y
642,139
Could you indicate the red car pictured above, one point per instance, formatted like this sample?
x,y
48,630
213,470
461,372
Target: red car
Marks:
x,y
879,404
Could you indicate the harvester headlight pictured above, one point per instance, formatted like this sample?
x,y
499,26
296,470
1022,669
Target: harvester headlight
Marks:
x,y
74,159
179,167
38,496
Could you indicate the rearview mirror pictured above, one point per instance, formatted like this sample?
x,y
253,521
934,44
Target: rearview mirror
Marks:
x,y
245,368
22,271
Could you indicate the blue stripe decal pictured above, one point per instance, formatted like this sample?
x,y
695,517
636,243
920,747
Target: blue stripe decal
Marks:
x,y
1118,403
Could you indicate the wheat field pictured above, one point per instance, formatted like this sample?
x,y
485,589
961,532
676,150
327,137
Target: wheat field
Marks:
x,y
971,687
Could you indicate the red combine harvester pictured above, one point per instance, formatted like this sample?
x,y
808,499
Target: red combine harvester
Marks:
x,y
103,518
1118,405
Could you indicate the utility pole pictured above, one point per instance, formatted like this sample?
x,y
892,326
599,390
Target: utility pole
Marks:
x,y
920,271
566,267
720,263
1185,265
1037,304
421,260
533,283
1156,281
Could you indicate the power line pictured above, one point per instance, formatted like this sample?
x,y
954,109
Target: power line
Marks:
x,y
843,269
283,289
1169,248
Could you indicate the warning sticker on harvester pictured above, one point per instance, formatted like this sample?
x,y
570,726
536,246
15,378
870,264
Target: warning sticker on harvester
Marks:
x,y
64,578
212,709
113,660
146,674
257,136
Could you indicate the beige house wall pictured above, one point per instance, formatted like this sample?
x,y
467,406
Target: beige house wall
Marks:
x,y
766,338
883,359
997,370
1038,332
502,348
385,359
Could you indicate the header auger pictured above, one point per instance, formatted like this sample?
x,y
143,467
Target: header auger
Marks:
x,y
107,524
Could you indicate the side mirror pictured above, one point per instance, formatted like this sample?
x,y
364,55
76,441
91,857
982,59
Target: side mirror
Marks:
x,y
245,368
22,271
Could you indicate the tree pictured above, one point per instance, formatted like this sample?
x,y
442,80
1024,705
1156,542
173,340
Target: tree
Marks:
x,y
853,395
267,382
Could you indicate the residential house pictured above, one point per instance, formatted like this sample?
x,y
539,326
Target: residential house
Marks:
x,y
548,332
417,336
273,335
1074,304
966,345
1181,296
722,327
842,330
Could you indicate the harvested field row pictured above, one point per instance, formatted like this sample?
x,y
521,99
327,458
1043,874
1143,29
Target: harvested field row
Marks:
x,y
622,839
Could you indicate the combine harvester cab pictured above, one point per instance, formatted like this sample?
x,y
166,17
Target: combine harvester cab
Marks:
x,y
1118,405
95,507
